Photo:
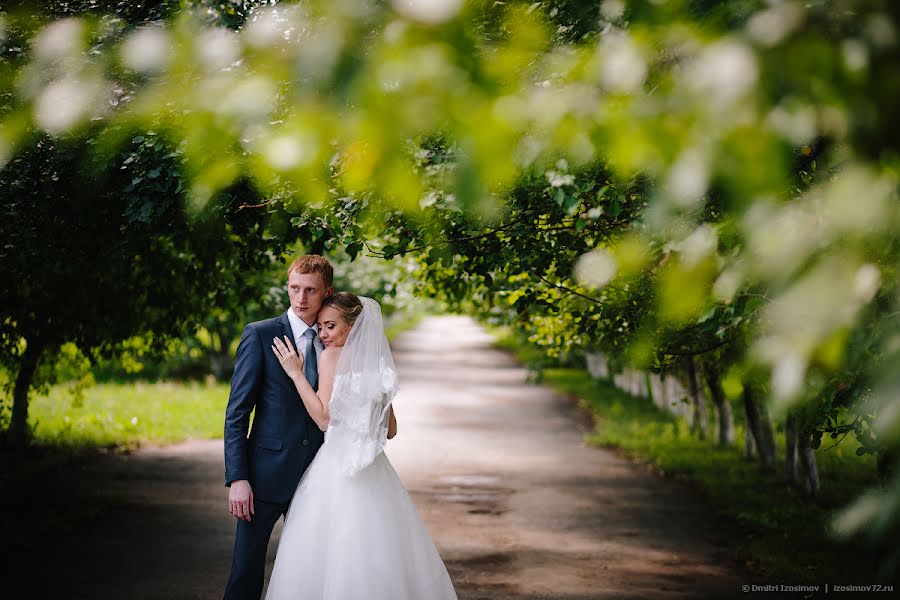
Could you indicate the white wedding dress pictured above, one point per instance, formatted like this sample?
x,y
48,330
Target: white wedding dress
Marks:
x,y
352,531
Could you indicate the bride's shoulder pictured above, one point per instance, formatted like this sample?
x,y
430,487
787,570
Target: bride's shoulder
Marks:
x,y
330,354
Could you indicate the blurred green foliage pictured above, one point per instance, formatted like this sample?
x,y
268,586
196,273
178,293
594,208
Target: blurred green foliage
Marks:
x,y
653,180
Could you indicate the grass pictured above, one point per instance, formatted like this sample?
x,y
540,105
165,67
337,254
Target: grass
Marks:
x,y
113,414
778,532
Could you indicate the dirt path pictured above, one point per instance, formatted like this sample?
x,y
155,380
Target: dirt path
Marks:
x,y
518,506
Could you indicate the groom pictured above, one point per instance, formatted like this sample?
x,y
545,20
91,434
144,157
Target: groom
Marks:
x,y
263,470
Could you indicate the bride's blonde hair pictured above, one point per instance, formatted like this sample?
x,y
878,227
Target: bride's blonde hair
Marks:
x,y
349,305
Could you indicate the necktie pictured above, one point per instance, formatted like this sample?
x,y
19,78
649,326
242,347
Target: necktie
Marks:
x,y
310,366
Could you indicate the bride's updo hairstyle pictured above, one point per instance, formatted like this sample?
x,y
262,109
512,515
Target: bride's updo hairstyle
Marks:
x,y
349,305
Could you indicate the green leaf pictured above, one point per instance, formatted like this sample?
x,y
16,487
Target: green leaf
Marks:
x,y
514,297
354,249
559,196
615,208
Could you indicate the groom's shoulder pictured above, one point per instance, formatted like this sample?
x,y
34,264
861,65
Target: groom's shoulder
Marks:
x,y
273,323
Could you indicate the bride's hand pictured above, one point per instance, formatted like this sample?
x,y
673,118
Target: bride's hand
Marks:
x,y
290,360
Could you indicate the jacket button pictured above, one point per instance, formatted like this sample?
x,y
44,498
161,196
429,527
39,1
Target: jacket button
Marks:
x,y
306,442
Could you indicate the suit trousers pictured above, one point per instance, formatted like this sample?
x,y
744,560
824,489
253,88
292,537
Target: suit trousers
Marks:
x,y
248,565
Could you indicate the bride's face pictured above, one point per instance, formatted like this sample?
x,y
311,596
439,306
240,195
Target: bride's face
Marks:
x,y
333,330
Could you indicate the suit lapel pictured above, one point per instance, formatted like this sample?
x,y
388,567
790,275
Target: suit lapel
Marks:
x,y
286,327
285,331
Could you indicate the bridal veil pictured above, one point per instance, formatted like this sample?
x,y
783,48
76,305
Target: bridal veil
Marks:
x,y
365,383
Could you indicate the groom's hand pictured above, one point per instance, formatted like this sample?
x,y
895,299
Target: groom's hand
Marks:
x,y
240,499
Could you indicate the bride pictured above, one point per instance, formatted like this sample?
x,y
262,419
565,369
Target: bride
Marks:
x,y
352,531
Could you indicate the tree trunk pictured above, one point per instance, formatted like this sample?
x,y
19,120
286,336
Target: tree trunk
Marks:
x,y
698,398
790,443
725,421
674,397
759,423
658,386
886,463
811,484
18,425
221,361
637,384
749,443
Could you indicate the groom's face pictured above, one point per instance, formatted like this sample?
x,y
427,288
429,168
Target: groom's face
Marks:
x,y
306,291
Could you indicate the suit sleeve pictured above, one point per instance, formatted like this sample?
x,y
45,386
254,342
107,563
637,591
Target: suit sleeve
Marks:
x,y
245,383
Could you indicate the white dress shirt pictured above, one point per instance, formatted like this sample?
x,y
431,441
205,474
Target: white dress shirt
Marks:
x,y
298,328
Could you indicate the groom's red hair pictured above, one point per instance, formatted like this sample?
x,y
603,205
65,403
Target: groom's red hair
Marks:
x,y
313,263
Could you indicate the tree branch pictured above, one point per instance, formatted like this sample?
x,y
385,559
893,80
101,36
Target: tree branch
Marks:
x,y
473,238
266,203
850,427
702,351
566,289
